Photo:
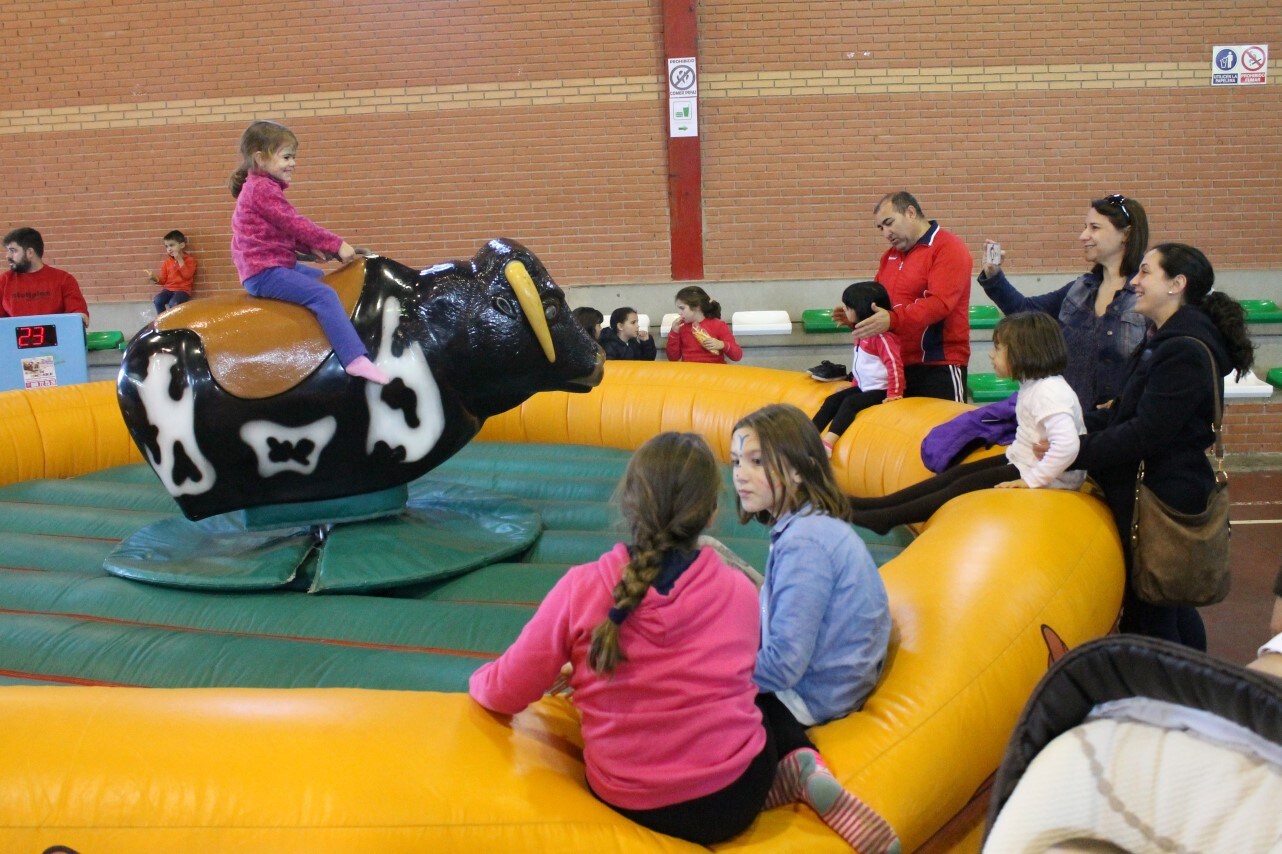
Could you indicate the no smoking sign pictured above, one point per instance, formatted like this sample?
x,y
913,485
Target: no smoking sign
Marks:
x,y
1254,57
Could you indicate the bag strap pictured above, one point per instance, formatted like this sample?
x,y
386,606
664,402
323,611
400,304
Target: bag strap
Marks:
x,y
1217,394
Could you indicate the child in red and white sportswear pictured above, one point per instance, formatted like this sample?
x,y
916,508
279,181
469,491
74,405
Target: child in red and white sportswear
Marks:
x,y
877,372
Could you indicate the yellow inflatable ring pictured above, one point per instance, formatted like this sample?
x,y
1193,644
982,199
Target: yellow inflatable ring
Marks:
x,y
997,584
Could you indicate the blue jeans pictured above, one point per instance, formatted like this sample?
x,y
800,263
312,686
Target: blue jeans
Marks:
x,y
168,299
301,285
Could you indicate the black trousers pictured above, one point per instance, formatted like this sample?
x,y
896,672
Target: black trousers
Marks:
x,y
789,733
839,409
947,382
728,812
918,502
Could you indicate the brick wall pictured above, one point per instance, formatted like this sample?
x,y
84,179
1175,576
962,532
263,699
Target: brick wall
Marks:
x,y
429,127
1253,428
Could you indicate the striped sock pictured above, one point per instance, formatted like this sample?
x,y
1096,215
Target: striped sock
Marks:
x,y
852,819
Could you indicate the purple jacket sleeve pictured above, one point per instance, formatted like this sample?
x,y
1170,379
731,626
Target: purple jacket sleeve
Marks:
x,y
993,424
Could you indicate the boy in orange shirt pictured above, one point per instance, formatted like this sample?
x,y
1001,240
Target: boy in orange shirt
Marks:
x,y
176,274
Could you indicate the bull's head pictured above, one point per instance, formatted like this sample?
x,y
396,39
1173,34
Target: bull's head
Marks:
x,y
507,328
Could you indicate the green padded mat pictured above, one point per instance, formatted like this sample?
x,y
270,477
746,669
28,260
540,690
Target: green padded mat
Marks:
x,y
987,388
64,620
111,340
984,316
1261,311
820,320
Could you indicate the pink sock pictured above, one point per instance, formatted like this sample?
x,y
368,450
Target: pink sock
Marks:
x,y
362,367
852,819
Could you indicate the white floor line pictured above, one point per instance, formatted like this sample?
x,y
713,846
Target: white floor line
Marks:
x,y
1257,521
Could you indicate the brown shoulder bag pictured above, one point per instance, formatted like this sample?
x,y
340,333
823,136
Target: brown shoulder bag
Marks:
x,y
1183,558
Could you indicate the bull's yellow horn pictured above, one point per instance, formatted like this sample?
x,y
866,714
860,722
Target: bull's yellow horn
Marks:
x,y
528,296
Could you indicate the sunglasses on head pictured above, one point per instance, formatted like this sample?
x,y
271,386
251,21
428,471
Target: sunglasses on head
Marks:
x,y
1119,201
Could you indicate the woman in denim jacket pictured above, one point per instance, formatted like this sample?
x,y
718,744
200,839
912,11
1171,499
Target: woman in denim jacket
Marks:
x,y
1095,310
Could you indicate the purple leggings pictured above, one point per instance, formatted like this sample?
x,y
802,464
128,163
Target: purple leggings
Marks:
x,y
301,285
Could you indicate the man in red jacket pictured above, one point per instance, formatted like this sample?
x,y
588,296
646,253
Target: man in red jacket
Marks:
x,y
926,271
33,287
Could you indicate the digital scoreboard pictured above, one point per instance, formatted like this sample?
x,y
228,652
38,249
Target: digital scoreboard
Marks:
x,y
41,351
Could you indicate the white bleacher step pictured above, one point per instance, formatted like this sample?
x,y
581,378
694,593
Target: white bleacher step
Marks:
x,y
760,323
666,323
1250,386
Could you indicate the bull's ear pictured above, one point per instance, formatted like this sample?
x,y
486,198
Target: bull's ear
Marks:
x,y
505,305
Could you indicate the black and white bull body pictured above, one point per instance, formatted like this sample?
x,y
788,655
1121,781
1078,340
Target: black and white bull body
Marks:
x,y
461,341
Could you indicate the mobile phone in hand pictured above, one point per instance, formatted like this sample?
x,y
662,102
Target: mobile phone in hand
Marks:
x,y
992,254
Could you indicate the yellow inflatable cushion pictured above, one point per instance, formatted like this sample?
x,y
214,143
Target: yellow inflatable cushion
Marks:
x,y
998,583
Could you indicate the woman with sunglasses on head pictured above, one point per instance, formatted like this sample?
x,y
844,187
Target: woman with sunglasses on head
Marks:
x,y
1096,311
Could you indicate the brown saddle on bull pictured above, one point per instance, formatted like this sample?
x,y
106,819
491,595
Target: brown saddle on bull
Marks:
x,y
261,347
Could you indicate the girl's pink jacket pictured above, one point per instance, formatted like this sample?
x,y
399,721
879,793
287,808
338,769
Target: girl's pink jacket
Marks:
x,y
265,229
677,720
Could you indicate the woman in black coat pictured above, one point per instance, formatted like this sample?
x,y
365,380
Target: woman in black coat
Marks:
x,y
1165,412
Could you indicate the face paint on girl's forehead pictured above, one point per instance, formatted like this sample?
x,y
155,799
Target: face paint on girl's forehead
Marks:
x,y
741,438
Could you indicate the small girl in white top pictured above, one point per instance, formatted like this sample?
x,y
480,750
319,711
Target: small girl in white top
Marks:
x,y
1028,347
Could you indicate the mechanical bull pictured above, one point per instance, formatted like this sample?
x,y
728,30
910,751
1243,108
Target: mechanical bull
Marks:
x,y
240,402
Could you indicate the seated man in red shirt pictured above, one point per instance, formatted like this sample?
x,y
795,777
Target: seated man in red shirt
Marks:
x,y
32,286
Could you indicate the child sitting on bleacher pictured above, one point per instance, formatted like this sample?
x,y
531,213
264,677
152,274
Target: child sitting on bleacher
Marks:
x,y
625,339
176,275
699,334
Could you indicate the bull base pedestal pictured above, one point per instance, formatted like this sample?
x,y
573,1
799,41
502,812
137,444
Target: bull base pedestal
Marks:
x,y
381,540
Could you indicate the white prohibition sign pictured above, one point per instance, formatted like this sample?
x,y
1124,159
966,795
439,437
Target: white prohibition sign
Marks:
x,y
681,77
1252,59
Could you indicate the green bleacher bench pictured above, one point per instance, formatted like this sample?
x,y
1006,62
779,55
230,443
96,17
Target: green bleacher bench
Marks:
x,y
988,388
104,340
820,320
984,316
1261,311
1275,377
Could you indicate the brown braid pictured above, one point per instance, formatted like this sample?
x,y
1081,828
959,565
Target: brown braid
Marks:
x,y
667,496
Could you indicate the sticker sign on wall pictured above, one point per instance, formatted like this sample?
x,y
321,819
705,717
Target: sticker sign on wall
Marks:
x,y
39,372
1239,64
683,97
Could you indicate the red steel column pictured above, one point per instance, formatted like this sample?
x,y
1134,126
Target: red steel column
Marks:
x,y
685,169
